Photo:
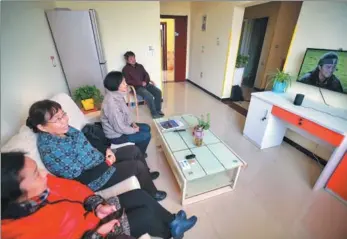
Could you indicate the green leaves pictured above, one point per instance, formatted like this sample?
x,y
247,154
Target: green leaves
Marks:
x,y
241,61
202,123
279,76
87,92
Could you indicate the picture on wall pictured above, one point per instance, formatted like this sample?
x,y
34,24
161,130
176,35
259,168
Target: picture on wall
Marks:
x,y
203,26
325,68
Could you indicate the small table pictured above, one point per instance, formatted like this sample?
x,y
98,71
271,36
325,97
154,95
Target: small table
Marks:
x,y
215,169
92,116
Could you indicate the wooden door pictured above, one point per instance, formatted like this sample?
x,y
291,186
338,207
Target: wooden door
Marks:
x,y
180,47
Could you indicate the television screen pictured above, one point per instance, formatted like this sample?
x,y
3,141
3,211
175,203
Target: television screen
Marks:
x,y
324,68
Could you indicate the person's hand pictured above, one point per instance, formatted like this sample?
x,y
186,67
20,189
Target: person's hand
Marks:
x,y
104,210
134,125
108,227
136,129
110,157
144,83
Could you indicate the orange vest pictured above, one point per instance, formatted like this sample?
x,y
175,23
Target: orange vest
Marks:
x,y
63,220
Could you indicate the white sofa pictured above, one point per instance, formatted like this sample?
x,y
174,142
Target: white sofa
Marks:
x,y
25,141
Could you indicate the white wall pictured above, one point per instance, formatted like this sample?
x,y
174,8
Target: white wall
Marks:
x,y
236,30
179,9
320,25
127,26
27,74
213,60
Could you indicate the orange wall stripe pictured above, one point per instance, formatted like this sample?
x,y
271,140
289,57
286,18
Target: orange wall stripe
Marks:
x,y
338,181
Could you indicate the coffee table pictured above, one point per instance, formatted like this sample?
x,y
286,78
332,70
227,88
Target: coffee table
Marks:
x,y
215,169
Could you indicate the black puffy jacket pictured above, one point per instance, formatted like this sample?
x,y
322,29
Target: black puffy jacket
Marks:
x,y
96,137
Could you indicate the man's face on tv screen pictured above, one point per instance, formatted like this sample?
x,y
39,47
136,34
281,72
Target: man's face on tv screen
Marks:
x,y
327,70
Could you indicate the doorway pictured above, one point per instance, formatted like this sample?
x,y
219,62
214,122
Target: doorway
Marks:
x,y
253,34
174,47
163,43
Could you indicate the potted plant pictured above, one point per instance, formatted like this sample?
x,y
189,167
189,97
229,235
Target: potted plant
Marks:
x,y
89,96
280,81
198,131
241,62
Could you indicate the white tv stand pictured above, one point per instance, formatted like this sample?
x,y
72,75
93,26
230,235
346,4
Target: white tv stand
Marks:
x,y
270,114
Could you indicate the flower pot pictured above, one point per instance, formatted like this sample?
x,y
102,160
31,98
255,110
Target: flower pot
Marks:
x,y
88,104
198,134
238,74
279,87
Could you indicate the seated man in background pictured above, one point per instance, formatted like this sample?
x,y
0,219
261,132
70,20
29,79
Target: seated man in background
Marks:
x,y
136,75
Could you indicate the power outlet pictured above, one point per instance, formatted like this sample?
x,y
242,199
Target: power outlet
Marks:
x,y
201,74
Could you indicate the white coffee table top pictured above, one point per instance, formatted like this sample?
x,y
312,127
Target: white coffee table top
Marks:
x,y
214,156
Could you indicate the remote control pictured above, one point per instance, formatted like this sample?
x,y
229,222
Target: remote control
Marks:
x,y
190,156
179,130
115,215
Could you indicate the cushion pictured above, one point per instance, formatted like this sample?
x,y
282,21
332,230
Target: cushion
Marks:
x,y
76,117
24,141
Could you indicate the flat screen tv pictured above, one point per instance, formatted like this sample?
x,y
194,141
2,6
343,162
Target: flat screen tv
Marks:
x,y
324,68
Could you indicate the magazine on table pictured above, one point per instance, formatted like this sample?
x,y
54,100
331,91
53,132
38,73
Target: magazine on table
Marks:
x,y
171,125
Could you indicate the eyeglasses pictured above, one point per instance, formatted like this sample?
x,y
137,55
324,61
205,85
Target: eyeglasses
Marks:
x,y
59,119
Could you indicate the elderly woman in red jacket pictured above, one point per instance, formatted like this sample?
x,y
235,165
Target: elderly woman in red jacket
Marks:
x,y
34,205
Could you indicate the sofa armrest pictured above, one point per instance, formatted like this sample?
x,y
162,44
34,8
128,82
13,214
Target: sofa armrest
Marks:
x,y
127,185
145,236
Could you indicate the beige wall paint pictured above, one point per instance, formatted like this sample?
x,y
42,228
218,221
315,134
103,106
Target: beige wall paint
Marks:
x,y
27,74
315,17
127,26
236,30
212,61
286,20
179,9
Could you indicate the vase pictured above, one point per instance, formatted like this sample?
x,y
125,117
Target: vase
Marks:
x,y
238,74
279,87
198,134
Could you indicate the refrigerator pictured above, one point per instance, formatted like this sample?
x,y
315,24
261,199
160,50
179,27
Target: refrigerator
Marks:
x,y
77,40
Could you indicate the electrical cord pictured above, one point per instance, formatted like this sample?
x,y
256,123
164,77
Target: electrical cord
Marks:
x,y
316,158
321,93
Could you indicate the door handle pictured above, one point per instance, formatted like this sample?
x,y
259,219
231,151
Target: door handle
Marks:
x,y
265,116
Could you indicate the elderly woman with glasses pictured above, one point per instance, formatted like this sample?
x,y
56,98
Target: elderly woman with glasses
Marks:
x,y
66,153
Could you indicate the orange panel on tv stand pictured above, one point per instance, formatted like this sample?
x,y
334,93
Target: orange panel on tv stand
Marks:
x,y
309,126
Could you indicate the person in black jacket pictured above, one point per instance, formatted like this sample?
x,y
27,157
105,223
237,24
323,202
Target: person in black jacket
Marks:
x,y
96,137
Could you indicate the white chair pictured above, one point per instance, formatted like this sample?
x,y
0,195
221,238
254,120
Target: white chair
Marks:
x,y
25,141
